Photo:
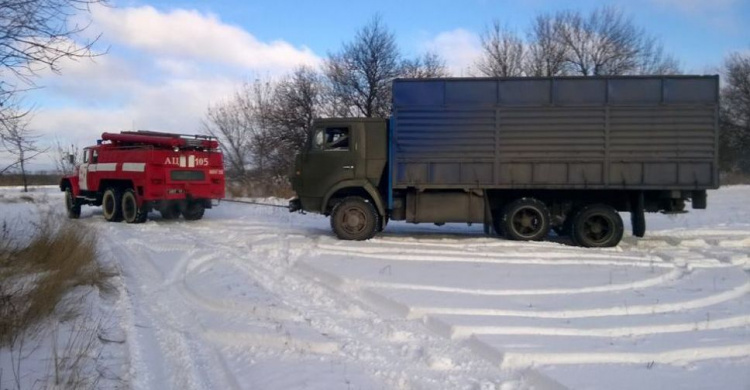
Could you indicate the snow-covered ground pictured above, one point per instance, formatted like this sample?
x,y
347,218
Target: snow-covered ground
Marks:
x,y
253,297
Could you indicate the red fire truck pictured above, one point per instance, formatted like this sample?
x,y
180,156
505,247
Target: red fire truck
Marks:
x,y
134,172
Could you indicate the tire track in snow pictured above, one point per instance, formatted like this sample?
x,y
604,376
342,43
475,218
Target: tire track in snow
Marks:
x,y
171,356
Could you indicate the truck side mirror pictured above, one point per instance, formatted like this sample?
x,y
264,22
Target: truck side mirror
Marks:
x,y
72,159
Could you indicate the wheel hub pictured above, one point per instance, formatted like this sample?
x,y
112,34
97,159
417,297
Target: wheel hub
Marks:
x,y
354,220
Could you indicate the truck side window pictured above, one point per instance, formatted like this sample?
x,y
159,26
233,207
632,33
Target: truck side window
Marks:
x,y
332,138
86,156
337,138
94,156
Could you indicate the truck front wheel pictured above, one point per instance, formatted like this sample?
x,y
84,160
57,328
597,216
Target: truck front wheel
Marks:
x,y
130,210
193,211
71,204
354,219
597,226
111,202
525,219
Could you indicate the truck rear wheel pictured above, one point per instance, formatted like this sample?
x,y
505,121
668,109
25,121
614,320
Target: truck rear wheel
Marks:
x,y
354,219
111,202
72,206
597,226
131,213
525,219
193,211
638,215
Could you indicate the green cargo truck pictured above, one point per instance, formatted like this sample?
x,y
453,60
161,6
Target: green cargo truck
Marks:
x,y
522,156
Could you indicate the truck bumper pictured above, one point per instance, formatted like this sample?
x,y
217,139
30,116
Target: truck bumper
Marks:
x,y
295,205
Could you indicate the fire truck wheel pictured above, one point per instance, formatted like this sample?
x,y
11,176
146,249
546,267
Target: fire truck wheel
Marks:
x,y
111,202
71,205
170,211
130,210
193,211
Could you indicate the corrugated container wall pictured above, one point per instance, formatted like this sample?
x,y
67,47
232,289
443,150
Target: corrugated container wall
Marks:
x,y
603,132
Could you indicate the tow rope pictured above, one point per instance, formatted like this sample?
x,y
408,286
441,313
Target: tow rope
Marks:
x,y
255,203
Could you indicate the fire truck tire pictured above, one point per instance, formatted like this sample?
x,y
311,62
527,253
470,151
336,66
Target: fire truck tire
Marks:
x,y
111,202
71,205
193,211
131,213
170,211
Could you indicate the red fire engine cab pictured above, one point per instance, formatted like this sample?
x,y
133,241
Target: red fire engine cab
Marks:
x,y
134,172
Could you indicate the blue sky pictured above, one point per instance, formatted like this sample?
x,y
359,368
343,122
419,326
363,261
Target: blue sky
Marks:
x,y
168,60
698,32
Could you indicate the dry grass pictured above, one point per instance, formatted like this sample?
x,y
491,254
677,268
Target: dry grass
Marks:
x,y
36,275
732,178
20,199
35,179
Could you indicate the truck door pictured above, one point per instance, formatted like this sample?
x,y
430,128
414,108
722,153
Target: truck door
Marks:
x,y
332,159
83,171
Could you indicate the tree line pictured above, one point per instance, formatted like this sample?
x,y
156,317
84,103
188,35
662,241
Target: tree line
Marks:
x,y
265,124
267,121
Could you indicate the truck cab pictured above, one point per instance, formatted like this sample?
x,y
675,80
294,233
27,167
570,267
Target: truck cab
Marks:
x,y
344,158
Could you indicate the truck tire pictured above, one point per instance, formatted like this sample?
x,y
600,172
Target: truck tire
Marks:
x,y
354,219
597,226
638,215
525,219
111,202
193,211
131,213
72,206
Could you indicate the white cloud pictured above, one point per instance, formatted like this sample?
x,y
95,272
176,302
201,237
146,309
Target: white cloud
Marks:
x,y
193,35
460,48
161,72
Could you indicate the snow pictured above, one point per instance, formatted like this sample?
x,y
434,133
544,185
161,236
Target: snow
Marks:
x,y
256,297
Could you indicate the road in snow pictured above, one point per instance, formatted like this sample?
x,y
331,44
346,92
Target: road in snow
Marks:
x,y
257,298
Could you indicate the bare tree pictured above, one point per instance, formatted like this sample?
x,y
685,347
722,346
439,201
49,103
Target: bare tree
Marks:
x,y
20,141
427,65
735,114
360,75
227,122
297,100
61,153
606,42
503,52
546,53
655,61
34,35
257,106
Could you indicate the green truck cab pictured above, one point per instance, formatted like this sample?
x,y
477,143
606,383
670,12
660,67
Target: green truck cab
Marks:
x,y
345,159
522,156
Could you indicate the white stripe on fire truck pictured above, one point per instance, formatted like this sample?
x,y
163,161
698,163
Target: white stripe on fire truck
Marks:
x,y
191,161
182,162
102,167
133,167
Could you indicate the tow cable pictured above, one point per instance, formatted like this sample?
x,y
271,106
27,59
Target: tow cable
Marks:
x,y
255,203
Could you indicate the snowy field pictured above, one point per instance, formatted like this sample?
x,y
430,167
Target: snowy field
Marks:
x,y
253,297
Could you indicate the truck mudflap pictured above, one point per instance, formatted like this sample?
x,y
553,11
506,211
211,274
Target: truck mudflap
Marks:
x,y
295,205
